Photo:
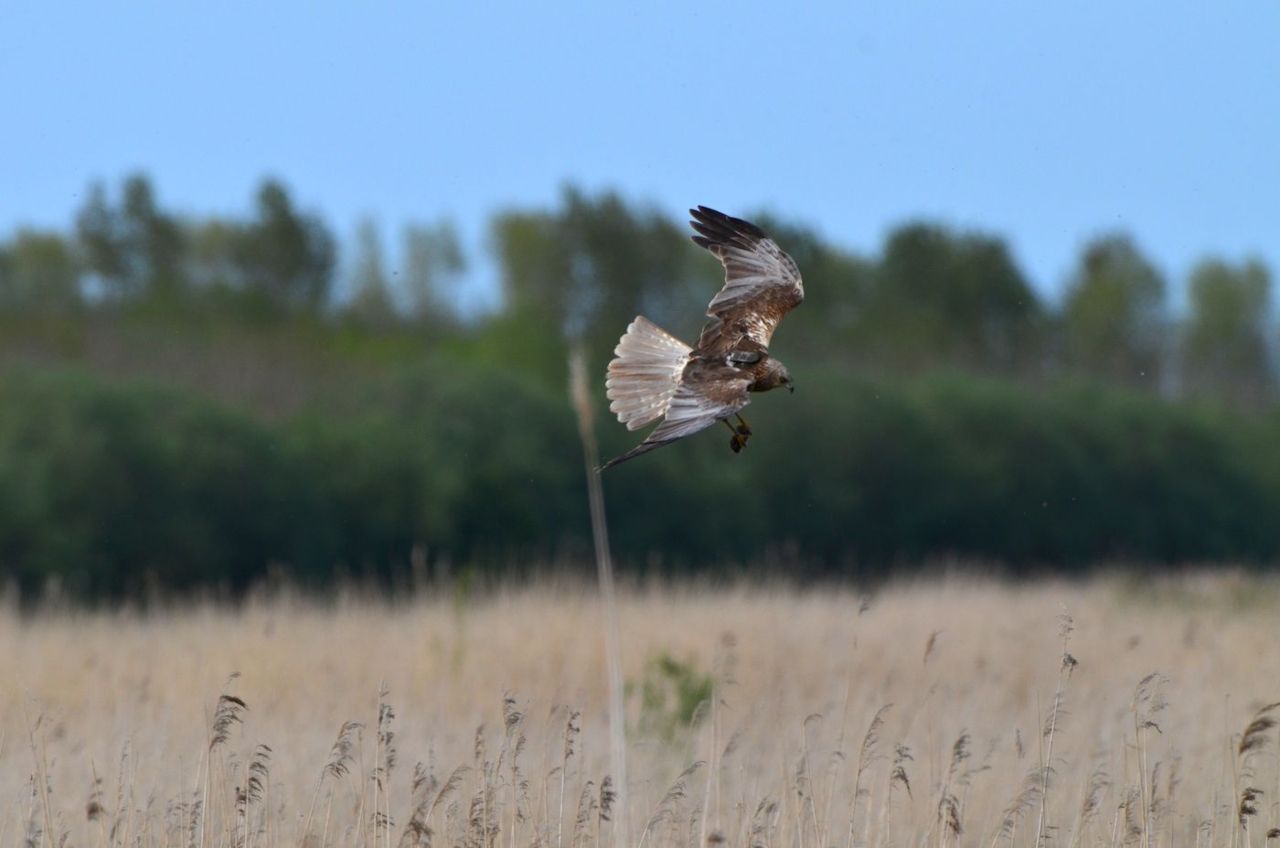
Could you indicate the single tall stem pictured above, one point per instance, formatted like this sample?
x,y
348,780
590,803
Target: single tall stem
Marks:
x,y
604,566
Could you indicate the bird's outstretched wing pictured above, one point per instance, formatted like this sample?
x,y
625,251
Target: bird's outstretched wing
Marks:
x,y
708,393
761,282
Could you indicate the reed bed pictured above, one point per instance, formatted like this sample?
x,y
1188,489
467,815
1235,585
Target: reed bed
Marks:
x,y
949,712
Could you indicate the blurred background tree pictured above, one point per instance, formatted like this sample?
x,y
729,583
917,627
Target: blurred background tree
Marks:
x,y
1114,316
585,270
39,274
940,297
433,269
98,230
286,256
151,244
373,303
185,401
135,249
1227,354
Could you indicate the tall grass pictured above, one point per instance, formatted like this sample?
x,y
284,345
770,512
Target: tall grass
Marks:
x,y
354,723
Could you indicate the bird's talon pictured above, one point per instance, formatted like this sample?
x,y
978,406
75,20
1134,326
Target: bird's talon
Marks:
x,y
737,443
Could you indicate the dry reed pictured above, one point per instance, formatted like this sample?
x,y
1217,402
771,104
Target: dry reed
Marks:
x,y
803,683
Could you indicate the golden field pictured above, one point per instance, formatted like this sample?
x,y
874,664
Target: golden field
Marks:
x,y
113,730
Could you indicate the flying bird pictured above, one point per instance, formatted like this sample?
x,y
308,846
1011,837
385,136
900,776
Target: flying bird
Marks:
x,y
655,376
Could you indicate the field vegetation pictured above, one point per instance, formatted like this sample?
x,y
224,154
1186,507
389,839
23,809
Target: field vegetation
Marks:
x,y
951,711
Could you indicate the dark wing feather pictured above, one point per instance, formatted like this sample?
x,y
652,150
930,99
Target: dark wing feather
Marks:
x,y
708,393
761,282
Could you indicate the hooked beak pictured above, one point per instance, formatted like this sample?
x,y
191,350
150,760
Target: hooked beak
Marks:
x,y
791,387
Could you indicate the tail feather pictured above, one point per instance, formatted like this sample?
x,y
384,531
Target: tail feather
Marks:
x,y
645,373
643,447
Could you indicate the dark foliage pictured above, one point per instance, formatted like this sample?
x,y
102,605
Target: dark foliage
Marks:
x,y
184,404
115,488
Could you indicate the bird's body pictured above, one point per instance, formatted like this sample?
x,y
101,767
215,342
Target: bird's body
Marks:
x,y
655,375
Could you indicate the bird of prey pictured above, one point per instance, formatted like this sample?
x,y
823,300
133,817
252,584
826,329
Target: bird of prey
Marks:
x,y
655,375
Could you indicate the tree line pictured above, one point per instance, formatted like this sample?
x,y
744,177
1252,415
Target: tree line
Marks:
x,y
195,401
933,296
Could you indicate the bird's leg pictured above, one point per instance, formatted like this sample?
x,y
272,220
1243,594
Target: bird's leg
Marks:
x,y
739,441
743,428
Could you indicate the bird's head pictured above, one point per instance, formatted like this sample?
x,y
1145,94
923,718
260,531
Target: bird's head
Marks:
x,y
784,378
775,375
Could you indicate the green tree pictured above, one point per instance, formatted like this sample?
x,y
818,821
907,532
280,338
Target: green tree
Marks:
x,y
1225,351
585,270
39,273
373,304
153,242
286,256
1114,315
98,232
213,247
135,250
957,299
433,264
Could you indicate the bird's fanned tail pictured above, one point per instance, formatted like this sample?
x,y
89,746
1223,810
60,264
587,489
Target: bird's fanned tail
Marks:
x,y
645,373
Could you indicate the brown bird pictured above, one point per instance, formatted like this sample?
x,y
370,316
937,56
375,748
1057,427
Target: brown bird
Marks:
x,y
655,375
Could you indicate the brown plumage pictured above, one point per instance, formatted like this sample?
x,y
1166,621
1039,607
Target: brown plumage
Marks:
x,y
655,375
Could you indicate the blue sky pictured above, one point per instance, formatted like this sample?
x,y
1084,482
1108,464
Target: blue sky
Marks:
x,y
1044,122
